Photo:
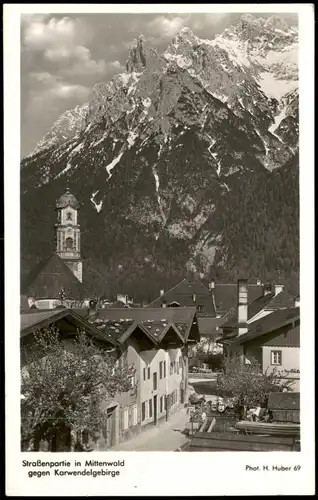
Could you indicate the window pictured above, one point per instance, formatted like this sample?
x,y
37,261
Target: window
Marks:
x,y
178,367
69,243
130,416
150,408
125,419
160,370
171,368
144,373
164,369
148,372
69,216
276,357
174,367
132,419
133,381
161,404
155,385
143,411
200,308
134,415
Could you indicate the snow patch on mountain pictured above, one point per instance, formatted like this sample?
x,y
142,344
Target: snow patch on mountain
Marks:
x,y
112,164
277,120
263,141
98,206
273,87
156,176
66,169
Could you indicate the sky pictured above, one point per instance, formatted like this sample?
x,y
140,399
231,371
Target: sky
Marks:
x,y
63,56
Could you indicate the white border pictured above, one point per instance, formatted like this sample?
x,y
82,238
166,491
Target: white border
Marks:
x,y
148,473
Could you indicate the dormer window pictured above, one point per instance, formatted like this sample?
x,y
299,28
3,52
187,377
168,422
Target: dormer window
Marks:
x,y
69,216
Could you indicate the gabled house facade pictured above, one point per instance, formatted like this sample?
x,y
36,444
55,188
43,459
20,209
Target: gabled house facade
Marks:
x,y
154,341
273,341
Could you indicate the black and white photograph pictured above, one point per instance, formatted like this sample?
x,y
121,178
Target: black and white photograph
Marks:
x,y
159,223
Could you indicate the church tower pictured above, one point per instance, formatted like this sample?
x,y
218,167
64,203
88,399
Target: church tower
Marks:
x,y
68,242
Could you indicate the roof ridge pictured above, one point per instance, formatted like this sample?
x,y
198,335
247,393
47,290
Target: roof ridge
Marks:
x,y
170,289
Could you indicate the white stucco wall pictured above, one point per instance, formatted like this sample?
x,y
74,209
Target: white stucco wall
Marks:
x,y
165,386
290,361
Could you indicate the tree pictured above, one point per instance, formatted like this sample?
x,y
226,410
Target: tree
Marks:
x,y
247,385
207,351
64,384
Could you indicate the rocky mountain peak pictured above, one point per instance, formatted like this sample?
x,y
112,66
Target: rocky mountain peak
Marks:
x,y
140,54
169,157
275,22
184,35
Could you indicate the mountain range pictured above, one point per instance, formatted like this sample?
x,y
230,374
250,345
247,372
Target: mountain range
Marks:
x,y
185,162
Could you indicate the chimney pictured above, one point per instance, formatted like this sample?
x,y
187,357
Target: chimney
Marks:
x,y
164,304
267,288
278,289
242,306
162,292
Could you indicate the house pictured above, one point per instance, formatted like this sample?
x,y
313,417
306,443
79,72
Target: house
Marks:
x,y
224,295
57,280
272,299
273,340
214,300
51,283
155,341
187,293
68,323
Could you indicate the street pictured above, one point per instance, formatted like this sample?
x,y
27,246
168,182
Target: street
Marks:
x,y
167,436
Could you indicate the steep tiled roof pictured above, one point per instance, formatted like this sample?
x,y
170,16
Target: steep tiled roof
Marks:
x,y
266,324
284,401
226,295
210,326
280,301
254,307
182,293
30,322
48,278
155,322
268,302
